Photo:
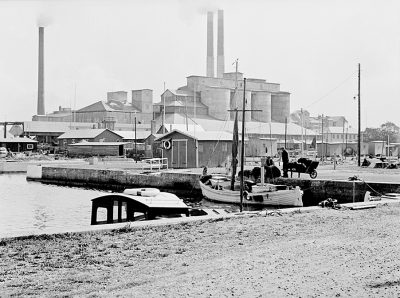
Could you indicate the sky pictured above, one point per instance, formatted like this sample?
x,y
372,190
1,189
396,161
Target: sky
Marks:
x,y
311,47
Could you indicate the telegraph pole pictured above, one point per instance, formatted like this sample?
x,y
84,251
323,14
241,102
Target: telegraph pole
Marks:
x,y
242,153
322,138
359,115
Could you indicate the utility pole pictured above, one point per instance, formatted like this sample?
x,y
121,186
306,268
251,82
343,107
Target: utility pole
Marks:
x,y
285,131
322,137
302,135
344,122
135,141
359,115
242,155
163,115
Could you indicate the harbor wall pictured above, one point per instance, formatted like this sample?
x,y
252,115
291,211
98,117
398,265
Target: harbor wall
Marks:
x,y
118,180
187,184
343,191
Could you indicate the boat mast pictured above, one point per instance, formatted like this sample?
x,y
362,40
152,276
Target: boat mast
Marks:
x,y
242,151
359,116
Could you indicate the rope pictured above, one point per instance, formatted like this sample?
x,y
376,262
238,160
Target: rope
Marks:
x,y
219,138
373,188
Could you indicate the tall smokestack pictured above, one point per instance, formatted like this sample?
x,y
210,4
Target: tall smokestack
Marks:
x,y
40,106
210,44
220,45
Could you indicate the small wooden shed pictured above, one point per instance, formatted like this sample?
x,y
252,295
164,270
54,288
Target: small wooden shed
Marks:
x,y
19,144
187,149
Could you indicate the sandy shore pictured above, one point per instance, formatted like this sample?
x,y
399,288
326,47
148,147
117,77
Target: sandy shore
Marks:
x,y
325,253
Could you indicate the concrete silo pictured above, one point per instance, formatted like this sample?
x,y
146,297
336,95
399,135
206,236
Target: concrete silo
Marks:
x,y
261,101
217,100
280,106
240,104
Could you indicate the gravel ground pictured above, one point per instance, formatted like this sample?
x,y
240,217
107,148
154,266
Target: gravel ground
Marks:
x,y
328,253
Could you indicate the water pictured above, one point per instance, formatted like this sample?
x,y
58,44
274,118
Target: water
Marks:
x,y
31,207
28,207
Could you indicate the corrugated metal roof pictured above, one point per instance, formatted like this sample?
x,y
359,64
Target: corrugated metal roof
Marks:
x,y
82,134
253,127
17,140
130,135
202,135
55,127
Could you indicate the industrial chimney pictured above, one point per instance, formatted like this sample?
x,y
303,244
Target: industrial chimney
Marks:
x,y
210,44
220,45
40,106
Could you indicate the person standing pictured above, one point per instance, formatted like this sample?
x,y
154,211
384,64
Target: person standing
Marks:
x,y
285,161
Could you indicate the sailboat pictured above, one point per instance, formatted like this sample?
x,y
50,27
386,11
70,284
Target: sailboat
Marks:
x,y
226,190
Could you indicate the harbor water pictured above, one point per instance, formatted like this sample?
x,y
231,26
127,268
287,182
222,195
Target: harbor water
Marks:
x,y
29,207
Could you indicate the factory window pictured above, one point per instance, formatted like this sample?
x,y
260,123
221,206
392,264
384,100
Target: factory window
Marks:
x,y
201,148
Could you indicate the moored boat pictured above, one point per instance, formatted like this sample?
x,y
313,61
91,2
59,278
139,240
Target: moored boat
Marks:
x,y
223,189
218,189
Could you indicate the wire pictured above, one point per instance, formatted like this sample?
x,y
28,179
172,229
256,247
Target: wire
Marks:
x,y
321,98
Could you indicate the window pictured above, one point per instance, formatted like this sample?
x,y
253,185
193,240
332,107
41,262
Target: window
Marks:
x,y
29,146
224,147
73,141
201,148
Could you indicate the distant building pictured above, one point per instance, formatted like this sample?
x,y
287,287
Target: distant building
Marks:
x,y
87,149
18,144
87,135
107,114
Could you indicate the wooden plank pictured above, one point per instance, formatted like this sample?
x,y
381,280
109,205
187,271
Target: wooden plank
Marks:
x,y
363,207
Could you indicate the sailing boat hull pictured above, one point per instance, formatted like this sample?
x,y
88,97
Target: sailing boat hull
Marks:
x,y
287,197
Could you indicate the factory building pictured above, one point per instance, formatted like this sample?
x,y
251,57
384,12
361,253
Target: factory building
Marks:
x,y
213,97
202,101
107,114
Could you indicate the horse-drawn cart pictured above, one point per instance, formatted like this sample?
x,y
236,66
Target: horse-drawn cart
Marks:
x,y
304,165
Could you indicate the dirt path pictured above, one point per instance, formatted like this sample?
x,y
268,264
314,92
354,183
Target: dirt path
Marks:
x,y
325,253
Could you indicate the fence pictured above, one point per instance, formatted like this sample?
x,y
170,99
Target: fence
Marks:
x,y
155,163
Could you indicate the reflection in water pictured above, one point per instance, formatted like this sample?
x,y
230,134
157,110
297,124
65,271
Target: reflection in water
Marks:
x,y
41,217
28,207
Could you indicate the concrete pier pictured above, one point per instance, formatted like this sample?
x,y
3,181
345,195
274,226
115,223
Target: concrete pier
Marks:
x,y
186,183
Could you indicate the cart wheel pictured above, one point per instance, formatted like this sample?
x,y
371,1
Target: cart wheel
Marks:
x,y
313,174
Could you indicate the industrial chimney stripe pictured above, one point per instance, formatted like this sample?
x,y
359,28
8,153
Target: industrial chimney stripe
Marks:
x,y
220,45
210,44
40,106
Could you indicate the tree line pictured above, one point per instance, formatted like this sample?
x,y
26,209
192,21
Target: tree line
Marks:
x,y
388,129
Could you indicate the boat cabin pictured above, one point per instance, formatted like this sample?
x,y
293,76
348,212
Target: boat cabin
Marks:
x,y
149,206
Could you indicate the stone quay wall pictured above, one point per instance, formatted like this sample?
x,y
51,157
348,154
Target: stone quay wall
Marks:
x,y
187,184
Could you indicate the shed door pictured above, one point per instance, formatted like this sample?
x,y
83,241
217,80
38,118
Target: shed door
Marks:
x,y
179,153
